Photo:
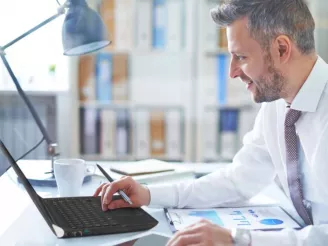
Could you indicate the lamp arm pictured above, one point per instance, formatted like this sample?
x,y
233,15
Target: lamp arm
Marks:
x,y
60,11
26,99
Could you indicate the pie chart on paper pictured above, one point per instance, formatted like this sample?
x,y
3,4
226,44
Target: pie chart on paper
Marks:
x,y
271,222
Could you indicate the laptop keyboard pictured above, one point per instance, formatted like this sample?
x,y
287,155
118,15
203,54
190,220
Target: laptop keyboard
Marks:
x,y
86,212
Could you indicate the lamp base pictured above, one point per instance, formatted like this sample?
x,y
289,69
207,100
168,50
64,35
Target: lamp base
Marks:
x,y
47,180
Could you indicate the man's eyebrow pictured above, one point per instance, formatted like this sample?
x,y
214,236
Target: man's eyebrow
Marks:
x,y
236,52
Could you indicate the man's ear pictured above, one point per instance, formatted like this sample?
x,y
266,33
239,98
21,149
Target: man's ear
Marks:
x,y
284,45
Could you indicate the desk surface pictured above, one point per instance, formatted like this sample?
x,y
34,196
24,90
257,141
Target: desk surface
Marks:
x,y
22,224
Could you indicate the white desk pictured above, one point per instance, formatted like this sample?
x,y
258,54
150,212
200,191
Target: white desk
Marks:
x,y
22,224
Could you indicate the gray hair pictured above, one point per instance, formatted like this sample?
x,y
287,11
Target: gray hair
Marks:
x,y
269,18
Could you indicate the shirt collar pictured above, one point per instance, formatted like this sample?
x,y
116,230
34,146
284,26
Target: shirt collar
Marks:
x,y
308,97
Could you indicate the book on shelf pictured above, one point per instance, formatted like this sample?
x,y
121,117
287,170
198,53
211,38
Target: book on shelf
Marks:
x,y
117,133
118,19
103,77
124,11
120,88
157,133
107,13
223,41
173,126
142,134
223,61
228,132
159,24
144,24
108,133
175,24
212,34
89,131
123,136
215,38
210,123
86,78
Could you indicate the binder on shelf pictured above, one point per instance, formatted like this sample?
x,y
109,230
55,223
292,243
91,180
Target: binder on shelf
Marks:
x,y
157,133
89,131
175,24
223,41
229,119
104,77
228,132
211,37
142,134
144,24
122,132
86,78
107,13
222,77
8,129
120,88
159,24
173,135
210,134
42,112
108,131
124,10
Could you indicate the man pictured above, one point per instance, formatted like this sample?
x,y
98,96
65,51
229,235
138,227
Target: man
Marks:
x,y
272,47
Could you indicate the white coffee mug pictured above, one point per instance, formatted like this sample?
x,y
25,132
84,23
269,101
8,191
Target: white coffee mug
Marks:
x,y
69,174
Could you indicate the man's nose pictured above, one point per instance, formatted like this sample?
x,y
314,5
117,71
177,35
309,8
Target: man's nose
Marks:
x,y
235,70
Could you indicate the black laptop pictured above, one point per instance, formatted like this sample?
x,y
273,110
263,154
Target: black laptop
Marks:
x,y
83,216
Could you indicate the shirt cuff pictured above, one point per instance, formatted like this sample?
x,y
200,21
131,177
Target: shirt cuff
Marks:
x,y
163,195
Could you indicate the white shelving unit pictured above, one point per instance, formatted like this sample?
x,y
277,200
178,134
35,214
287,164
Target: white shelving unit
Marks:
x,y
184,78
158,78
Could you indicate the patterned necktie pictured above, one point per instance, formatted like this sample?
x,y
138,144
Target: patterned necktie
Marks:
x,y
294,182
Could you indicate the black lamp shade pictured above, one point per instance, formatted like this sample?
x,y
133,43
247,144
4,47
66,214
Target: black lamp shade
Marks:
x,y
83,30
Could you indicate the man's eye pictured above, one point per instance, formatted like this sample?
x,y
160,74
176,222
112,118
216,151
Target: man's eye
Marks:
x,y
240,58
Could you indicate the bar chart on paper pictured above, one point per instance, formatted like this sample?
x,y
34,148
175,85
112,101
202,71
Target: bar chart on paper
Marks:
x,y
210,215
253,218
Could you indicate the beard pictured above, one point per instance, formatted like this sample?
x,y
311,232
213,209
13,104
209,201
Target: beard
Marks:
x,y
269,87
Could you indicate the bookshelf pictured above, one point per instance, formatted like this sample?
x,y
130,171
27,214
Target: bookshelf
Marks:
x,y
145,75
164,60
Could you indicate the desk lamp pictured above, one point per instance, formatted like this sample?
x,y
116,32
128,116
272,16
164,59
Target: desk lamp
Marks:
x,y
83,32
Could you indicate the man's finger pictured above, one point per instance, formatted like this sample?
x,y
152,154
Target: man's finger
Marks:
x,y
103,192
185,239
197,224
121,184
98,190
118,204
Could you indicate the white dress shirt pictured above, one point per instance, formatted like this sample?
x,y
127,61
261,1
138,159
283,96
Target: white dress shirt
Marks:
x,y
263,157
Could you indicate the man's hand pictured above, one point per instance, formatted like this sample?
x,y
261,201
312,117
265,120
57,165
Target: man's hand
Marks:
x,y
138,194
203,233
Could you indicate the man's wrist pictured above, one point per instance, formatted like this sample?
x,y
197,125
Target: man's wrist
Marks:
x,y
241,237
